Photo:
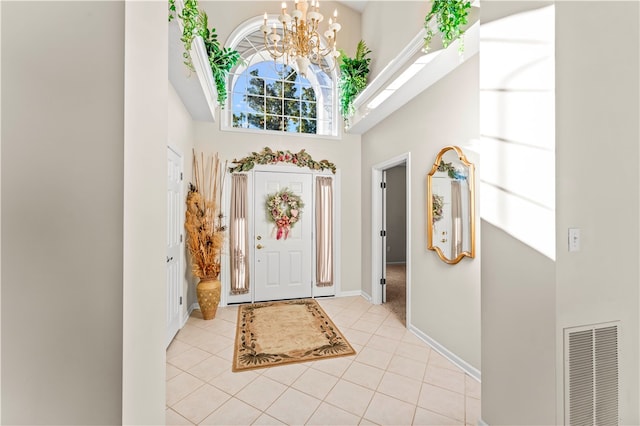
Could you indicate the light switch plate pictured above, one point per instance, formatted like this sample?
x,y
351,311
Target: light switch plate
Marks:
x,y
574,239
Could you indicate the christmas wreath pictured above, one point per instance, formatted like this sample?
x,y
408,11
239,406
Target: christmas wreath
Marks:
x,y
284,209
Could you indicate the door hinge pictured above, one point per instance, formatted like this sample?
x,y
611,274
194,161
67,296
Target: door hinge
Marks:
x,y
180,300
383,281
180,237
180,176
383,185
383,233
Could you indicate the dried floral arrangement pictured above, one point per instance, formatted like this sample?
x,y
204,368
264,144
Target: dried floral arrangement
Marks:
x,y
205,231
268,156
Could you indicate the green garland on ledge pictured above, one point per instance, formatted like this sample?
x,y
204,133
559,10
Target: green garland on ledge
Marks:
x,y
195,22
268,156
451,16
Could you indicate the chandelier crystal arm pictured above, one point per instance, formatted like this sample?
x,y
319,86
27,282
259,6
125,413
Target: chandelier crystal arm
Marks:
x,y
299,38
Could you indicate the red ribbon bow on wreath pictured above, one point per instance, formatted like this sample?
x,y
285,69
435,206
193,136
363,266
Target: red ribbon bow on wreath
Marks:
x,y
283,227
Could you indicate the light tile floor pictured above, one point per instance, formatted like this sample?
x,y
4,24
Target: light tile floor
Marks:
x,y
394,379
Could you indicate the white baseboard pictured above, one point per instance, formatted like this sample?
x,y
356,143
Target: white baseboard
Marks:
x,y
349,293
482,423
188,313
455,359
366,296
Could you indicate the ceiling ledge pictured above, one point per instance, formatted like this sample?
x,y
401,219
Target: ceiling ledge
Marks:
x,y
410,73
196,89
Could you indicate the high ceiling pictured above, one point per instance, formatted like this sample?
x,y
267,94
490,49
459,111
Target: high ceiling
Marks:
x,y
355,5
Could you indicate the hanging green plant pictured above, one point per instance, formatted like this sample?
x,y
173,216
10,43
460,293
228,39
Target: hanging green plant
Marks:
x,y
195,22
353,77
221,59
451,16
172,10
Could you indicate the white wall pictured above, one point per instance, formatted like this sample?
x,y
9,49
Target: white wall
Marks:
x,y
387,28
145,215
518,332
62,204
517,204
527,299
597,188
83,330
445,299
517,83
181,137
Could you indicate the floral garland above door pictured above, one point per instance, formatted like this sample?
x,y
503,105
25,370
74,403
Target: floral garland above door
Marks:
x,y
268,156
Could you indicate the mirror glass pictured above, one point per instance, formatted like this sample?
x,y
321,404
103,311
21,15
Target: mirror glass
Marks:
x,y
451,206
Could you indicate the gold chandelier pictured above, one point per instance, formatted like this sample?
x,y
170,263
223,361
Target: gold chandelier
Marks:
x,y
299,39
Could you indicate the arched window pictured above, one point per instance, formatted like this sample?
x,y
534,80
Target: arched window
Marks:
x,y
274,97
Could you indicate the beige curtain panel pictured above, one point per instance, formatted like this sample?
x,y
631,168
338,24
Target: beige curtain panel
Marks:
x,y
239,235
324,231
456,219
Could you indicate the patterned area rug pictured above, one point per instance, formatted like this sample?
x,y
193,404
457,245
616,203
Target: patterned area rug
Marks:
x,y
276,333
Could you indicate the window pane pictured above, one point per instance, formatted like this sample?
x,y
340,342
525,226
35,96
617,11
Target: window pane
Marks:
x,y
308,94
255,121
255,103
292,108
291,90
274,106
308,109
274,122
307,126
274,88
293,124
240,120
256,84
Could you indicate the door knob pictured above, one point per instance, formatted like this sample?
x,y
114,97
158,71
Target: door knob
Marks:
x,y
259,246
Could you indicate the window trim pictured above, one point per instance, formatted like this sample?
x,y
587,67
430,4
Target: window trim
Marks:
x,y
226,122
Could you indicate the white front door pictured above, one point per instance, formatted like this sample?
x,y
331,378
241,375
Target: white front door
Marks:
x,y
174,241
282,266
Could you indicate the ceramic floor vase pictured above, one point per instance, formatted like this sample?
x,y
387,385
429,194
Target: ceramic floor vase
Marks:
x,y
208,290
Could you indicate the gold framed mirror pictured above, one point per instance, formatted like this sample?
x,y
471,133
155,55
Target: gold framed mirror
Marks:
x,y
451,206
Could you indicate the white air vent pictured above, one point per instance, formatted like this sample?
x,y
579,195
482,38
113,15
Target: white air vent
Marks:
x,y
591,375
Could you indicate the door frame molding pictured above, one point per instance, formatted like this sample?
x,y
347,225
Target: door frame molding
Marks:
x,y
225,278
376,226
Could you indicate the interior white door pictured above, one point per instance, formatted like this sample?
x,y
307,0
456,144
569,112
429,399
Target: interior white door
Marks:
x,y
174,242
282,266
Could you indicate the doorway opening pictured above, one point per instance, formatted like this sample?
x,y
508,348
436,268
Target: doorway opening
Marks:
x,y
391,236
395,224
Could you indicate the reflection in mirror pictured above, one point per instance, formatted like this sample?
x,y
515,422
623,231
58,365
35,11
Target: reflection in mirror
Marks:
x,y
450,206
